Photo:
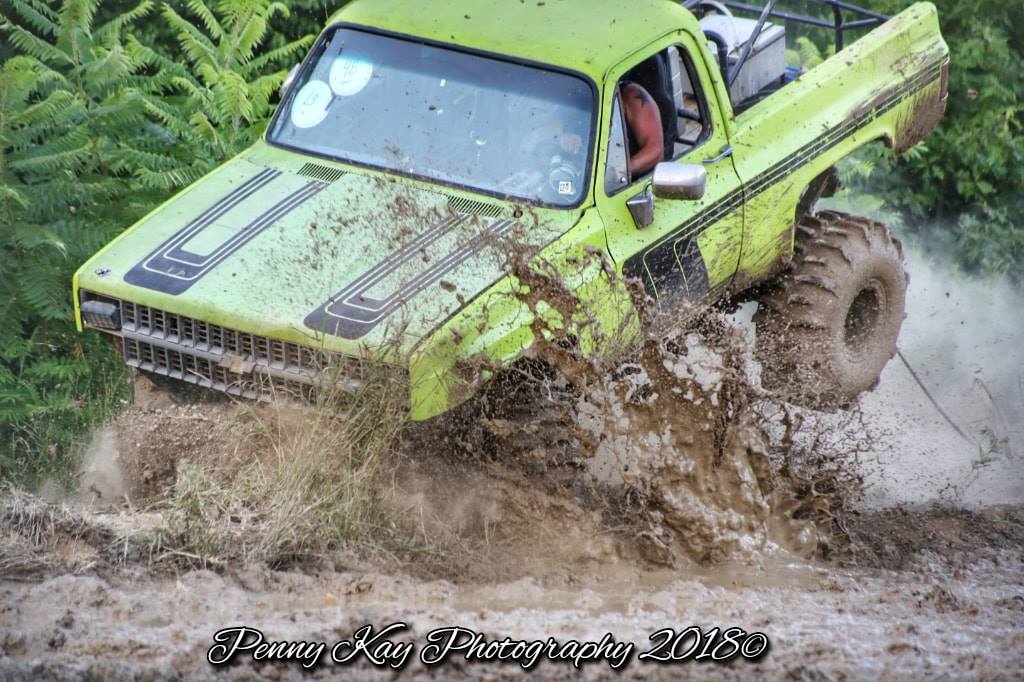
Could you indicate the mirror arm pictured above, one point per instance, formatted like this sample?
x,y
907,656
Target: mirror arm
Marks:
x,y
641,206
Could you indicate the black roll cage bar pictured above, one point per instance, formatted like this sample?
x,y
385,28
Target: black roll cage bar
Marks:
x,y
839,25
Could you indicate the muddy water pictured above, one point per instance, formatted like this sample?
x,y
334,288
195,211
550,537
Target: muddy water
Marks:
x,y
674,426
938,594
954,616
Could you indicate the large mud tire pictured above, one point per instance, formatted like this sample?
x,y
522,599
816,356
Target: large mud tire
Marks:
x,y
530,417
828,327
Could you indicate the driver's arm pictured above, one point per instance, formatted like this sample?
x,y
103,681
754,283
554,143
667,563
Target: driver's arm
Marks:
x,y
644,120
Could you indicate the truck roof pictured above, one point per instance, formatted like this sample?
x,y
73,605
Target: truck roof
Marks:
x,y
582,35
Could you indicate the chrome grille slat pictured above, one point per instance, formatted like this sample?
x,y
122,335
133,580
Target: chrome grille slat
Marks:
x,y
202,353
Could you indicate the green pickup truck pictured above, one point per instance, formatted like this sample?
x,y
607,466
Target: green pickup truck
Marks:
x,y
416,140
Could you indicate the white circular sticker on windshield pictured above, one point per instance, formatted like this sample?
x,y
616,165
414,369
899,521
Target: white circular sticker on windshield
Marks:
x,y
350,75
310,105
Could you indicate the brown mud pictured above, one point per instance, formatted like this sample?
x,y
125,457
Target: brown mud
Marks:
x,y
652,522
931,594
668,490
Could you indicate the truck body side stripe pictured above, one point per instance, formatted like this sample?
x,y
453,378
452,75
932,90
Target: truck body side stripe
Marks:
x,y
659,266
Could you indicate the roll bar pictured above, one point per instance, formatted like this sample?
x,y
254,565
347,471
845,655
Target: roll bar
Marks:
x,y
863,18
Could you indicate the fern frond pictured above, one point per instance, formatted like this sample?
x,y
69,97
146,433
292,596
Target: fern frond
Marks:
x,y
31,237
169,116
107,71
113,28
204,128
205,14
232,97
196,45
147,56
57,369
265,86
36,47
43,111
171,179
76,18
287,52
13,196
135,160
277,8
249,38
45,292
47,163
37,15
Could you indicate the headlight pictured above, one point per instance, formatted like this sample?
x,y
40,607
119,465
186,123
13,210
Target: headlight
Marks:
x,y
101,314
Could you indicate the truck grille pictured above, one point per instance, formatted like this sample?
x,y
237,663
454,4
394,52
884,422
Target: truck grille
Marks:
x,y
228,360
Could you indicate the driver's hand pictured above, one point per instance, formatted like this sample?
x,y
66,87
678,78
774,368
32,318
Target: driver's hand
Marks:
x,y
571,143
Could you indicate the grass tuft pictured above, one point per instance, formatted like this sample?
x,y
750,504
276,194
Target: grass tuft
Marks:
x,y
312,484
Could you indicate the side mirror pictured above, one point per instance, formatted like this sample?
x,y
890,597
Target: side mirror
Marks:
x,y
679,180
288,80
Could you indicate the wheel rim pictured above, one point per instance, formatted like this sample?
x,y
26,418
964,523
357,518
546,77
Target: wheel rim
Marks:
x,y
864,316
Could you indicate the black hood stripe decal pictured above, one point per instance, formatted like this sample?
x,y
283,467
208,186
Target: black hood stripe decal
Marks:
x,y
352,313
207,217
416,248
172,269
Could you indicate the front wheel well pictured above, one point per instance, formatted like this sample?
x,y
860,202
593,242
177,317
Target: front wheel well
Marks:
x,y
825,184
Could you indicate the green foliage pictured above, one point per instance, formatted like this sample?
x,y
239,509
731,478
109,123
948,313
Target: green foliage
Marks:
x,y
806,54
306,17
65,126
217,100
97,127
961,191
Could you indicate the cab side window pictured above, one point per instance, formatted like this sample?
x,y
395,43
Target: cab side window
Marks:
x,y
669,80
691,108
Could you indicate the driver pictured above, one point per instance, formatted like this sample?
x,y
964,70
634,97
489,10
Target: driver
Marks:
x,y
549,133
646,136
552,156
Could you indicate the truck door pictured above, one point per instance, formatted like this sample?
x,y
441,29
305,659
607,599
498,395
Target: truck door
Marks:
x,y
692,248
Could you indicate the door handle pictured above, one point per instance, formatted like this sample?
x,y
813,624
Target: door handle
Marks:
x,y
725,153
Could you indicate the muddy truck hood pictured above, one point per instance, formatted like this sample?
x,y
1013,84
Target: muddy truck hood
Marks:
x,y
315,254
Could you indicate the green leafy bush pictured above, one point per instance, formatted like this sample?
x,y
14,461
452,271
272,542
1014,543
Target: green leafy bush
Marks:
x,y
961,191
216,100
67,133
98,126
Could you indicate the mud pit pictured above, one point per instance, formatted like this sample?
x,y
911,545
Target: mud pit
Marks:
x,y
743,521
951,608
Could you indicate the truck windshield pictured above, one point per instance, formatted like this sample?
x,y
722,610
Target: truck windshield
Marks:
x,y
498,127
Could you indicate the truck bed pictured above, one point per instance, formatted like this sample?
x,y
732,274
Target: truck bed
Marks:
x,y
888,86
